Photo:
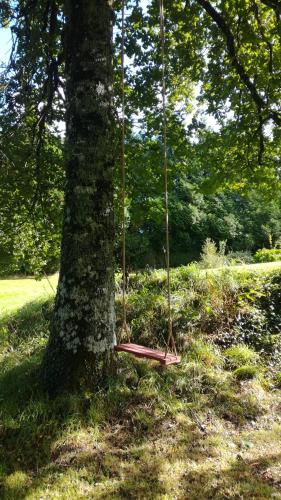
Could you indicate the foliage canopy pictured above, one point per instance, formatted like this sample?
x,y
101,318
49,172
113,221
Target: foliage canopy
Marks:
x,y
223,82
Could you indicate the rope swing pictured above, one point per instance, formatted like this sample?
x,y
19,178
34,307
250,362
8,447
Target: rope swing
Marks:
x,y
165,357
123,169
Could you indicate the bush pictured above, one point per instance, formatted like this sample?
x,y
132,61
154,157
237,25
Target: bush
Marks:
x,y
246,372
267,255
239,355
240,257
226,307
212,256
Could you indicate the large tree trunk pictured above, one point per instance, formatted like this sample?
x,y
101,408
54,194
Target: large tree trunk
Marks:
x,y
83,329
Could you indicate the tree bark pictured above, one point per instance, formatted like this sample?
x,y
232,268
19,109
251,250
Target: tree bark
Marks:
x,y
83,328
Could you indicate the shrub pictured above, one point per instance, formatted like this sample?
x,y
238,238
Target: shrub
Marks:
x,y
8,265
240,257
212,256
239,355
267,255
246,372
224,307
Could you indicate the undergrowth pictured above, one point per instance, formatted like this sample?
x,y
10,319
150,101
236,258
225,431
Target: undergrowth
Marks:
x,y
207,428
226,306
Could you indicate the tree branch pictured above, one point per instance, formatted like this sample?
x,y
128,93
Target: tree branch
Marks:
x,y
264,37
240,70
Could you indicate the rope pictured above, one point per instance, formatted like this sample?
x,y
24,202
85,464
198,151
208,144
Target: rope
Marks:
x,y
171,339
123,169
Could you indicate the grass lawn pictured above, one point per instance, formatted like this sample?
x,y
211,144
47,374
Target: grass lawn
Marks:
x,y
193,431
15,293
267,267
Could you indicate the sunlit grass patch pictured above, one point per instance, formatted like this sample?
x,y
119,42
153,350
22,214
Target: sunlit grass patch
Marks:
x,y
194,430
15,293
246,372
239,355
16,485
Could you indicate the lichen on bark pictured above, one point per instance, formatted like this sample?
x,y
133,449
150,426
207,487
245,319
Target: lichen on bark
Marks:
x,y
83,328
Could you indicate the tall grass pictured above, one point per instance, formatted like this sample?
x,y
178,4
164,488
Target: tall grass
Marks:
x,y
148,425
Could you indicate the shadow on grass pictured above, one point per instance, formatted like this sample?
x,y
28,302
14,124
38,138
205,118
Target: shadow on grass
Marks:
x,y
29,421
29,322
60,446
39,447
239,479
119,443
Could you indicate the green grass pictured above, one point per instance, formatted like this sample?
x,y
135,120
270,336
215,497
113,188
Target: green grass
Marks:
x,y
192,431
15,293
255,268
239,355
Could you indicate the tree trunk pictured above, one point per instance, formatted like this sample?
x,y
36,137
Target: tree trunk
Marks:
x,y
83,329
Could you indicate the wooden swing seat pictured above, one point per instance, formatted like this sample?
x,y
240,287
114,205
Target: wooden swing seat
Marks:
x,y
145,352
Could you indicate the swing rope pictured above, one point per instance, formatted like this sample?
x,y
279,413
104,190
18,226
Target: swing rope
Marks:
x,y
170,340
123,169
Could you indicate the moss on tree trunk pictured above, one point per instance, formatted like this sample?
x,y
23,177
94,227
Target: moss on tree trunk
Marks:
x,y
83,328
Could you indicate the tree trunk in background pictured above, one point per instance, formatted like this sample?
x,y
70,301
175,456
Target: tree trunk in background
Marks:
x,y
83,329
